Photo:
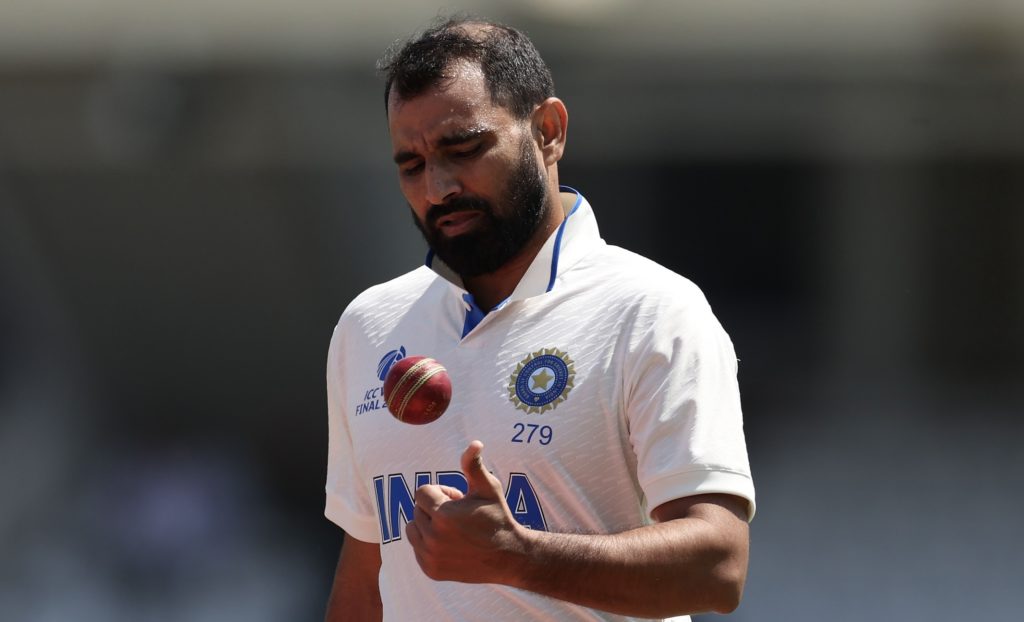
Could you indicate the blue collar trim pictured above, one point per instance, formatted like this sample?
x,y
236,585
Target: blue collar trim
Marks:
x,y
474,314
529,285
558,236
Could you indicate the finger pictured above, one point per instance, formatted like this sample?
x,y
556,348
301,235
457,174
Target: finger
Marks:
x,y
417,537
430,497
454,494
414,535
481,482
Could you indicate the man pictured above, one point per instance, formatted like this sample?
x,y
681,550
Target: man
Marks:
x,y
615,482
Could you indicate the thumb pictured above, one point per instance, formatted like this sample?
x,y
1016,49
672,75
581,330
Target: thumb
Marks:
x,y
481,482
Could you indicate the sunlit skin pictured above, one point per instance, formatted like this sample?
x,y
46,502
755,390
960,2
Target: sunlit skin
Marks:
x,y
454,141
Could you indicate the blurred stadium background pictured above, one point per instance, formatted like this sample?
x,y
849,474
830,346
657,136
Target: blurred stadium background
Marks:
x,y
190,193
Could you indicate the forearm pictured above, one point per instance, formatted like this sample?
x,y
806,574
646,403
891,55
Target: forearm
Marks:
x,y
686,565
355,594
693,559
351,603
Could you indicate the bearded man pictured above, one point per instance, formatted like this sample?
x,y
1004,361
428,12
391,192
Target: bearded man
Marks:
x,y
615,484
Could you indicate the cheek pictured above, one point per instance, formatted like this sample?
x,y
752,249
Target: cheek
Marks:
x,y
418,206
417,218
418,212
485,177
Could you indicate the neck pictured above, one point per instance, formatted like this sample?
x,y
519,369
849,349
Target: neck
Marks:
x,y
490,289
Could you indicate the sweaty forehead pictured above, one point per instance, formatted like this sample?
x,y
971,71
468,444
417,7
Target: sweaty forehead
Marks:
x,y
458,103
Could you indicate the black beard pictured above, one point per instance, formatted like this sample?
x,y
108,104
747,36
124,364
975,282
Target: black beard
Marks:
x,y
502,233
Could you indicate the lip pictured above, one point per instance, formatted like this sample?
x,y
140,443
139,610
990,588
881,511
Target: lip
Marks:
x,y
458,223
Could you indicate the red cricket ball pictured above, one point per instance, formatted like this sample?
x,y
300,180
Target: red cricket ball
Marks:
x,y
417,390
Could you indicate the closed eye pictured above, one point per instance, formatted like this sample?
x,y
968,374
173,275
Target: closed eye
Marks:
x,y
468,153
411,169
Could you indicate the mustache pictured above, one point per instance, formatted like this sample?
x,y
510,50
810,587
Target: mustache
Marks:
x,y
458,204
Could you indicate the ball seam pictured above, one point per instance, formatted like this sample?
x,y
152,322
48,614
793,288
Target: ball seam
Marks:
x,y
396,390
412,391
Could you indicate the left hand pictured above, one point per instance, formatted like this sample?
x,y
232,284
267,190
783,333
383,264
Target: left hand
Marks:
x,y
469,538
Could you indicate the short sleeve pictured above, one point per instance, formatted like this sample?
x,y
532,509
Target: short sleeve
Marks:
x,y
348,499
683,403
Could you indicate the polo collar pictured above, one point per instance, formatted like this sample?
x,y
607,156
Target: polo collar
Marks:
x,y
575,237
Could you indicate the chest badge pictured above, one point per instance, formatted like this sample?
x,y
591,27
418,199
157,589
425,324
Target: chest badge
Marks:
x,y
541,381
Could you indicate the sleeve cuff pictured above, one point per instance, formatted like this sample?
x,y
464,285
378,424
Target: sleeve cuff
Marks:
x,y
700,481
357,526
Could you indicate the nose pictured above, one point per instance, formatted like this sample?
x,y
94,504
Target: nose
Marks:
x,y
442,185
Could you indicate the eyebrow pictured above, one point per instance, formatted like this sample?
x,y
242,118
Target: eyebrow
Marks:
x,y
455,138
461,136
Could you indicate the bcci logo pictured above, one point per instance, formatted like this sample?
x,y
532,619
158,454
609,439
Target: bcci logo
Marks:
x,y
542,381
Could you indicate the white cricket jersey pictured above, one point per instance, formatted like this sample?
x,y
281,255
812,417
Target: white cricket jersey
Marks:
x,y
602,388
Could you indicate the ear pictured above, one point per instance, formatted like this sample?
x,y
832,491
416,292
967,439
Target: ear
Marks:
x,y
550,121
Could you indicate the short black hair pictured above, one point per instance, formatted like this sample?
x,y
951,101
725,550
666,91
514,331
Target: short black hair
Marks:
x,y
516,76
